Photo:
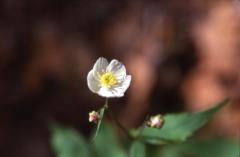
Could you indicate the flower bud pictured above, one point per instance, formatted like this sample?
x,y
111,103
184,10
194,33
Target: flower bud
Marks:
x,y
94,117
155,121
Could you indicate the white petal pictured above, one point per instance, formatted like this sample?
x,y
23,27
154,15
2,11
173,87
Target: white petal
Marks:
x,y
109,93
124,85
117,91
100,66
117,68
93,83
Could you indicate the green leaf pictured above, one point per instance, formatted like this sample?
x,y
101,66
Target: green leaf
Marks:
x,y
203,148
137,149
106,143
66,142
179,127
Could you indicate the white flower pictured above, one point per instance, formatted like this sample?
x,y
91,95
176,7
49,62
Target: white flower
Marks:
x,y
156,121
108,80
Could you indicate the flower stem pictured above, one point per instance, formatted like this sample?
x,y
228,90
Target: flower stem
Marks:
x,y
106,104
119,124
101,112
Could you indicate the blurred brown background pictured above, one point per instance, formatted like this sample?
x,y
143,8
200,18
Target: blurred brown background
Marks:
x,y
183,56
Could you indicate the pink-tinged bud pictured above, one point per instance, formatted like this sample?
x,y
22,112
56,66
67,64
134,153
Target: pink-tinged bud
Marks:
x,y
94,117
156,121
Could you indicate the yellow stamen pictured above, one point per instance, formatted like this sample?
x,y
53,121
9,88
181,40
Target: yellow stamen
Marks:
x,y
108,80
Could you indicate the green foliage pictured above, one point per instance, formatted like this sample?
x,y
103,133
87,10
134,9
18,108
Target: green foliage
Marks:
x,y
106,144
137,149
66,142
203,148
178,127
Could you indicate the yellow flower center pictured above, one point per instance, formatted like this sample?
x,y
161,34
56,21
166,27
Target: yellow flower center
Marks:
x,y
108,80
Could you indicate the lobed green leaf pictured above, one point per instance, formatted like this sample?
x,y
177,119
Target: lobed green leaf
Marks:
x,y
178,127
66,142
202,148
106,144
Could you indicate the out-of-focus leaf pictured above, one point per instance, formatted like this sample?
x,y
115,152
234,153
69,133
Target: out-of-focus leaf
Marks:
x,y
66,142
106,143
137,149
179,127
206,148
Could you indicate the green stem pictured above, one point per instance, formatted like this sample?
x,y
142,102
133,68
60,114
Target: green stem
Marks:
x,y
142,127
106,104
101,112
119,124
